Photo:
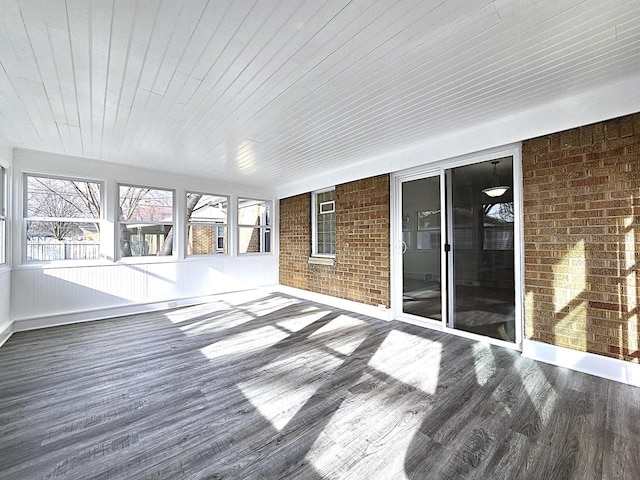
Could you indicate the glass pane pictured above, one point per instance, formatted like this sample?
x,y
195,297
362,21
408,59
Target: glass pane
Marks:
x,y
254,212
58,198
483,250
254,240
206,208
498,226
325,223
145,204
221,235
207,239
3,180
266,240
47,241
421,260
145,240
3,244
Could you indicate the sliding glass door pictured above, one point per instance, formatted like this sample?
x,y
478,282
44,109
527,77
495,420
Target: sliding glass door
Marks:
x,y
481,258
458,248
421,248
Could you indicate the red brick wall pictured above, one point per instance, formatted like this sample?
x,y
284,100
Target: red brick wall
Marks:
x,y
582,238
202,240
362,266
581,192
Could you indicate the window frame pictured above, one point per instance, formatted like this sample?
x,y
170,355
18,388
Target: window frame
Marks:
x,y
262,227
217,226
119,225
314,222
3,215
26,218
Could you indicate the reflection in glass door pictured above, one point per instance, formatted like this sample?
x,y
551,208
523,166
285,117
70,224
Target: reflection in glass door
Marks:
x,y
421,247
458,249
481,226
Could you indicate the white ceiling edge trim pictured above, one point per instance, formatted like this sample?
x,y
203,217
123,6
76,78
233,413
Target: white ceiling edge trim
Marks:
x,y
34,161
584,108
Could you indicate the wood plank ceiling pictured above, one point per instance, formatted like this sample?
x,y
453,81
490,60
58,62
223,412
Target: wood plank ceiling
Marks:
x,y
266,91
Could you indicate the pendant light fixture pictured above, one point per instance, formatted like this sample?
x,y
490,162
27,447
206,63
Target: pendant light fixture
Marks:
x,y
496,190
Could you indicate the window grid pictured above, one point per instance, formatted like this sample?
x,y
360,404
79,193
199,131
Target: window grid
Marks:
x,y
144,223
61,218
146,226
3,217
207,224
324,223
254,226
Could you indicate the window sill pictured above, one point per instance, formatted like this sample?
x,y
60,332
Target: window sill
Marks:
x,y
53,264
206,256
149,259
328,261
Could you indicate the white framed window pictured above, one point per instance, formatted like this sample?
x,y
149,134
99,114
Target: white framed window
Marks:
x,y
254,226
207,224
61,218
3,215
323,222
146,226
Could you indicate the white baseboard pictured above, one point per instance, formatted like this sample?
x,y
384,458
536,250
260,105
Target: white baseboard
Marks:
x,y
5,333
356,307
605,367
34,323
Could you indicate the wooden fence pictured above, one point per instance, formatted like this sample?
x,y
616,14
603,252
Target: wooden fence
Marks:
x,y
48,251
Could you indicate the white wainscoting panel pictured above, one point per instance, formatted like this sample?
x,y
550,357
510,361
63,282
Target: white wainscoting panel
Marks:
x,y
44,293
5,314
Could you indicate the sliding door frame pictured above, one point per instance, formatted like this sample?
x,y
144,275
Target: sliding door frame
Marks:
x,y
397,249
438,168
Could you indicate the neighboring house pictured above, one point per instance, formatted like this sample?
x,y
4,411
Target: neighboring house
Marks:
x,y
202,238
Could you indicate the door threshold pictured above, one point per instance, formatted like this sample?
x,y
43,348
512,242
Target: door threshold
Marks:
x,y
437,325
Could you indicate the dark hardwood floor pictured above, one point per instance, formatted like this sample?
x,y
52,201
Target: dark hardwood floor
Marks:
x,y
269,386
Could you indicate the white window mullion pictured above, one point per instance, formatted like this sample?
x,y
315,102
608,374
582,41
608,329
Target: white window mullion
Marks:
x,y
322,208
207,225
254,219
62,218
150,216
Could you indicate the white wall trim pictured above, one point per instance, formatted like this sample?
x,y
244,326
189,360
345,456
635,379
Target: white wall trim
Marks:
x,y
598,365
355,307
6,333
34,323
